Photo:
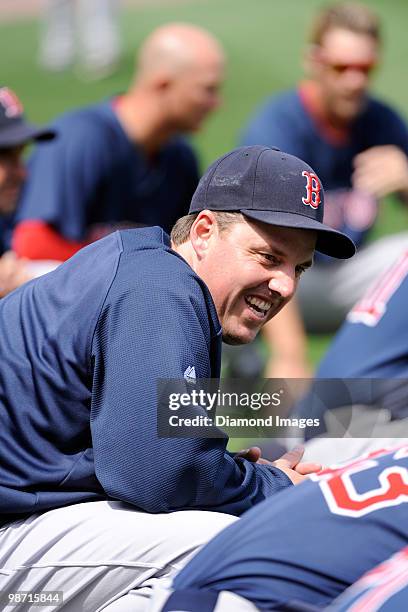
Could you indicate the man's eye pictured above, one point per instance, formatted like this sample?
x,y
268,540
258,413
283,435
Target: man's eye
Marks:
x,y
301,269
270,258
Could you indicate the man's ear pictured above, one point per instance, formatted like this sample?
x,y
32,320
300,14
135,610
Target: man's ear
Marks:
x,y
203,231
161,81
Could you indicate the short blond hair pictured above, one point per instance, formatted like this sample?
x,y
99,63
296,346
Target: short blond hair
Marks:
x,y
181,230
352,16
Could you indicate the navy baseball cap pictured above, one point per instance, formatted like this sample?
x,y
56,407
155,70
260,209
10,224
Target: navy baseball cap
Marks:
x,y
271,186
14,129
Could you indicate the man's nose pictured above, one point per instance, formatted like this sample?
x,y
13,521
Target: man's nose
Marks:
x,y
284,283
357,79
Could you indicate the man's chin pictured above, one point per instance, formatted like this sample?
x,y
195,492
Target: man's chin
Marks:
x,y
349,111
238,339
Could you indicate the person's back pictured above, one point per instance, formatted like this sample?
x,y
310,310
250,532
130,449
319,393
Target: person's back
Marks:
x,y
374,336
367,362
59,384
123,163
93,180
316,541
46,378
360,385
384,588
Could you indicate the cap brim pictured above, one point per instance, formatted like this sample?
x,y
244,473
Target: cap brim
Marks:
x,y
25,132
329,241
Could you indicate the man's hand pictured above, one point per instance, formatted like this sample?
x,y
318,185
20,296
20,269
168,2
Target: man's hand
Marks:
x,y
288,463
380,171
13,272
296,471
252,454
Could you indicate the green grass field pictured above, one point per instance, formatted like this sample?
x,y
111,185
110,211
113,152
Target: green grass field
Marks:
x,y
263,40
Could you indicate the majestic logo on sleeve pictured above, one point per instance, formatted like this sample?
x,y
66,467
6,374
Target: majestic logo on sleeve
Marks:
x,y
190,375
313,197
11,104
389,485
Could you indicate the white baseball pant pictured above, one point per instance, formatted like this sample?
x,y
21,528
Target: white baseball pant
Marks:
x,y
97,552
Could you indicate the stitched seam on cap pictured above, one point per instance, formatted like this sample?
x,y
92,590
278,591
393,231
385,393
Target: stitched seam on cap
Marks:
x,y
213,172
255,174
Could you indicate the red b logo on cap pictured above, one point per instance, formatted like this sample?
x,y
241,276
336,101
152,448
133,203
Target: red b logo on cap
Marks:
x,y
312,198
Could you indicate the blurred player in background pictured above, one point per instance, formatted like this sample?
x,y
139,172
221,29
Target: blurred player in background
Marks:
x,y
15,134
367,368
122,162
302,551
358,145
86,30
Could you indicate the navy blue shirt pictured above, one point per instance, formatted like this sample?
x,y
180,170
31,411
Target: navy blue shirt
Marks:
x,y
383,589
285,122
373,341
367,362
81,351
92,178
311,542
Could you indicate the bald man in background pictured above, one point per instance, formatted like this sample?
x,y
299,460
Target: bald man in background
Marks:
x,y
122,162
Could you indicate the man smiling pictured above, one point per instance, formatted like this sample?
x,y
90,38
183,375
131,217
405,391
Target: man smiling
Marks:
x,y
265,220
82,350
259,273
281,265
